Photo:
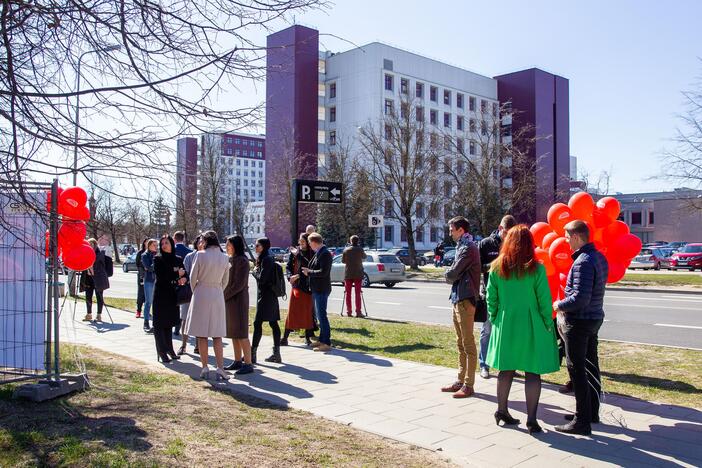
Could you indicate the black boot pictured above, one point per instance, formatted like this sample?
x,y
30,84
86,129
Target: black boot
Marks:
x,y
253,355
284,341
275,357
309,334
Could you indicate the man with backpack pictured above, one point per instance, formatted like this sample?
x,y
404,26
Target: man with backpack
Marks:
x,y
319,273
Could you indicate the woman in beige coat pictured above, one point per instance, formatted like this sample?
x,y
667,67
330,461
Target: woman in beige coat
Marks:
x,y
206,316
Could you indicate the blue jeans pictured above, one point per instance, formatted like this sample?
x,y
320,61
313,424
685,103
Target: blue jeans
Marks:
x,y
148,299
485,331
320,308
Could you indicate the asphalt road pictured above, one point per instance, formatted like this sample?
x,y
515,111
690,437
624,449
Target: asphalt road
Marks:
x,y
638,317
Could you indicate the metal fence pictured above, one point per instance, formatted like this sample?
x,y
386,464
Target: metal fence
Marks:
x,y
29,306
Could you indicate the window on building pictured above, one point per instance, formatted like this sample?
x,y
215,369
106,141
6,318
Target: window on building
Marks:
x,y
471,103
404,110
420,210
238,191
650,218
434,187
237,152
388,82
259,154
471,125
460,168
246,193
433,117
388,132
246,163
229,151
332,91
245,142
322,66
260,144
389,235
459,100
636,217
420,114
507,130
447,166
238,162
237,141
229,139
432,235
260,193
447,143
447,120
419,90
420,235
483,105
260,173
332,138
388,106
403,235
238,172
260,183
419,137
246,182
245,152
471,147
459,122
459,145
433,93
404,86
332,114
433,164
483,127
447,188
388,208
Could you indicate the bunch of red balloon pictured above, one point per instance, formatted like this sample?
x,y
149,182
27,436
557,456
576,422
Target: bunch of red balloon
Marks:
x,y
610,236
76,252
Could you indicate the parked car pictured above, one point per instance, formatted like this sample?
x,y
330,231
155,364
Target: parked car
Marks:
x,y
378,267
689,256
449,257
129,263
279,254
652,258
403,254
676,245
655,244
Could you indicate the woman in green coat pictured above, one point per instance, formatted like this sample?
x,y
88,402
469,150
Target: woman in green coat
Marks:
x,y
520,308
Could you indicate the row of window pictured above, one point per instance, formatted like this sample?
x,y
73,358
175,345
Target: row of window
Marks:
x,y
246,153
245,142
435,234
434,94
250,218
246,193
246,183
434,141
230,162
421,210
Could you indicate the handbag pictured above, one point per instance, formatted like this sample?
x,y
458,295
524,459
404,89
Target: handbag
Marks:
x,y
481,314
184,294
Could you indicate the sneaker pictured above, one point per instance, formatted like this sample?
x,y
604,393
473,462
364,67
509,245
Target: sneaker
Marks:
x,y
464,392
98,318
150,331
323,347
196,351
485,372
88,318
454,387
316,344
570,417
138,314
245,369
574,427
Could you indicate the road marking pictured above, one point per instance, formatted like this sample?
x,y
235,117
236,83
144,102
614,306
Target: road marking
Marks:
x,y
677,326
647,306
441,307
388,303
336,299
666,298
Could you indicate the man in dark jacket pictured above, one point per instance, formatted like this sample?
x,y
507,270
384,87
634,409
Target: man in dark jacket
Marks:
x,y
489,250
181,250
464,277
353,257
319,273
581,315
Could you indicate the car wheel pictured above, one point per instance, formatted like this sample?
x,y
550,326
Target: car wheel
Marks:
x,y
390,285
365,282
657,266
125,269
422,262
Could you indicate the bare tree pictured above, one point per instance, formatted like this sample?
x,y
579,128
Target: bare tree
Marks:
x,y
683,163
402,167
337,223
596,184
136,226
110,215
487,162
214,184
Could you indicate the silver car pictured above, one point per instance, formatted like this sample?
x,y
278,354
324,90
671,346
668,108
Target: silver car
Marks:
x,y
378,267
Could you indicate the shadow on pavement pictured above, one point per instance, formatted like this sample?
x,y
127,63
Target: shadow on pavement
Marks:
x,y
398,349
305,374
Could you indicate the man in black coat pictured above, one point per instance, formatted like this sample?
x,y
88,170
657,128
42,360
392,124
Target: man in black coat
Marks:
x,y
319,273
581,314
489,250
181,250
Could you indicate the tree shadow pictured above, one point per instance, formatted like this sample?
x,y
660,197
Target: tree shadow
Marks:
x,y
356,331
106,327
654,382
396,349
305,374
375,319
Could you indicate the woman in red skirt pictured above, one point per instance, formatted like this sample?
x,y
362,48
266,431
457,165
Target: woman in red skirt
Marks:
x,y
300,311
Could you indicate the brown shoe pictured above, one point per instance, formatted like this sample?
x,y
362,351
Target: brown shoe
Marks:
x,y
464,392
454,387
323,348
316,344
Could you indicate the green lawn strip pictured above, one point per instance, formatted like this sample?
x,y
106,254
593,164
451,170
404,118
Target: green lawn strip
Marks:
x,y
642,279
667,375
172,420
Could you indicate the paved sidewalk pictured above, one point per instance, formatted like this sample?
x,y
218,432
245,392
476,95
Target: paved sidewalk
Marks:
x,y
400,400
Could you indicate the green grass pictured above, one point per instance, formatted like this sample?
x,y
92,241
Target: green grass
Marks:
x,y
642,279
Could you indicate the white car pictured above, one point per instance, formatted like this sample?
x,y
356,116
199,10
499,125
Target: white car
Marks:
x,y
378,267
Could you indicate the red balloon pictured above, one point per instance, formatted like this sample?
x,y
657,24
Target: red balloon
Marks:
x,y
542,257
47,242
71,201
625,247
614,231
609,207
598,239
548,240
80,257
558,216
71,233
560,254
616,272
539,231
554,285
581,204
600,218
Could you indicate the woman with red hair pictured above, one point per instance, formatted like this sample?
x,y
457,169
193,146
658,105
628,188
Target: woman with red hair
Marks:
x,y
520,308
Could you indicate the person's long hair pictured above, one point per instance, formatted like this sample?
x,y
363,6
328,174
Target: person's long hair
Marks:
x,y
516,254
211,240
143,245
238,245
265,244
307,251
163,253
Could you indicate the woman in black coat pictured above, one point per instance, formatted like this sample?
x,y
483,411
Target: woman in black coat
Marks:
x,y
140,278
94,280
267,308
170,274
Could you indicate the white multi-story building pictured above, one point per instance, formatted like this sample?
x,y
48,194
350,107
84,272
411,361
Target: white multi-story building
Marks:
x,y
362,85
254,221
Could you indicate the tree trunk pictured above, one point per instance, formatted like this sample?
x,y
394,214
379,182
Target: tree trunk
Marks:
x,y
410,244
113,234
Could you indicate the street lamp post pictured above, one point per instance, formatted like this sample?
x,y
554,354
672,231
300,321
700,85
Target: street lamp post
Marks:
x,y
75,138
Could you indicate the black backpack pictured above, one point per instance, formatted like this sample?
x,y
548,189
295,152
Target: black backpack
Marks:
x,y
109,267
279,285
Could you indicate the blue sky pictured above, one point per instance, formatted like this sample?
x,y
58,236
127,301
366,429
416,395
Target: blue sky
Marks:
x,y
627,62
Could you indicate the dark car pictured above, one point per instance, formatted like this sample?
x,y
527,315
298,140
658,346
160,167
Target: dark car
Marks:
x,y
129,264
689,256
279,254
449,257
403,255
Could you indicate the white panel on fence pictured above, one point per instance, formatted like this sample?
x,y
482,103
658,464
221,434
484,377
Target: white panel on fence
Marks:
x,y
22,285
